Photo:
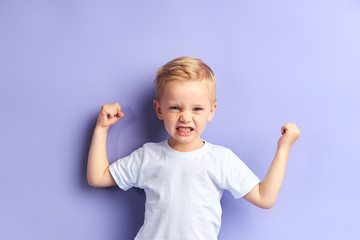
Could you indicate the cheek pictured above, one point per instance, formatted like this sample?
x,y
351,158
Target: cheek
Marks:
x,y
210,116
167,126
201,122
169,120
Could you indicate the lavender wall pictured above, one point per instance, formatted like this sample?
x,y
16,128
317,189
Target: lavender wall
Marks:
x,y
275,61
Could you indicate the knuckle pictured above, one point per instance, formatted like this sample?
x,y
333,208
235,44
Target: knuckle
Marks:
x,y
118,106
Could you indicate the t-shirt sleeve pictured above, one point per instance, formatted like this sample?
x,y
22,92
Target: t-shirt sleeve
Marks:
x,y
125,171
237,177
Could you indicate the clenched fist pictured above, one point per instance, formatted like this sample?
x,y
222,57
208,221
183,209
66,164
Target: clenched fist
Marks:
x,y
109,115
289,133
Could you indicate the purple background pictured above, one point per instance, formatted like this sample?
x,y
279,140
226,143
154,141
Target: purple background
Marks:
x,y
275,62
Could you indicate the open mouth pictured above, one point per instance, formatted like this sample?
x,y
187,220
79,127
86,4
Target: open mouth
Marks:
x,y
184,129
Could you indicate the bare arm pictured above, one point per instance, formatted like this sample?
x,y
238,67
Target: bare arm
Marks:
x,y
98,174
264,194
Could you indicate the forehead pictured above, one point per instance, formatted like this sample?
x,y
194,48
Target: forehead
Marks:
x,y
187,91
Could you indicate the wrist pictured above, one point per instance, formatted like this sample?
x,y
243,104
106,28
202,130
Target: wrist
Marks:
x,y
101,129
284,147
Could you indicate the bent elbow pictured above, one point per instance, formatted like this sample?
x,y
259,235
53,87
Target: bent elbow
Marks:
x,y
267,205
93,182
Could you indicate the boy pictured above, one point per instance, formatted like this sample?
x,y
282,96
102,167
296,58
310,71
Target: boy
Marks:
x,y
184,176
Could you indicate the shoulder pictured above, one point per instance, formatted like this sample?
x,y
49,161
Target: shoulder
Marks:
x,y
145,148
152,145
153,148
218,149
224,153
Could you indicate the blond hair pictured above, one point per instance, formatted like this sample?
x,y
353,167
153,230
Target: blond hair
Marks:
x,y
185,69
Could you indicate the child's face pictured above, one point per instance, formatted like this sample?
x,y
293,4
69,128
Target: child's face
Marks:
x,y
185,108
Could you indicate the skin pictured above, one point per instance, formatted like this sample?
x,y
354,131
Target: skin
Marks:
x,y
98,173
185,109
264,194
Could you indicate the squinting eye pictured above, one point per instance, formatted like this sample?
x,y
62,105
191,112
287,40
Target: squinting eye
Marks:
x,y
174,108
197,109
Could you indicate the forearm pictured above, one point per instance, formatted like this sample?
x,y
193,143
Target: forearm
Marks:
x,y
97,161
264,194
269,188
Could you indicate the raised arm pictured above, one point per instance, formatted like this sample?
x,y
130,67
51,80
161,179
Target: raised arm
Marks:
x,y
98,174
264,194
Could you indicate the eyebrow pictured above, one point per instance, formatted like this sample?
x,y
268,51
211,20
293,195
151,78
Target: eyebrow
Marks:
x,y
203,106
200,105
196,104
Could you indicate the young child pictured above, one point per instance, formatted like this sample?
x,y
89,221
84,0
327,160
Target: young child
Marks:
x,y
184,176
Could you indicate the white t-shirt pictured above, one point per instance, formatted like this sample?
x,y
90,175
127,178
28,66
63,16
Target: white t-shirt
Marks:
x,y
183,189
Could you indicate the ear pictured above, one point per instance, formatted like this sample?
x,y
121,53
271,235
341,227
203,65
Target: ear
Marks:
x,y
212,112
158,110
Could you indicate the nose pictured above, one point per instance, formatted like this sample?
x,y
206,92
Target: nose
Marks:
x,y
185,116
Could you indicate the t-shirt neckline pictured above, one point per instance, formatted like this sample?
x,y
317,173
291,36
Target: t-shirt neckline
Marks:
x,y
186,154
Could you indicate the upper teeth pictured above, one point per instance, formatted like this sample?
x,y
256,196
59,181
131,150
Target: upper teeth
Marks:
x,y
183,129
